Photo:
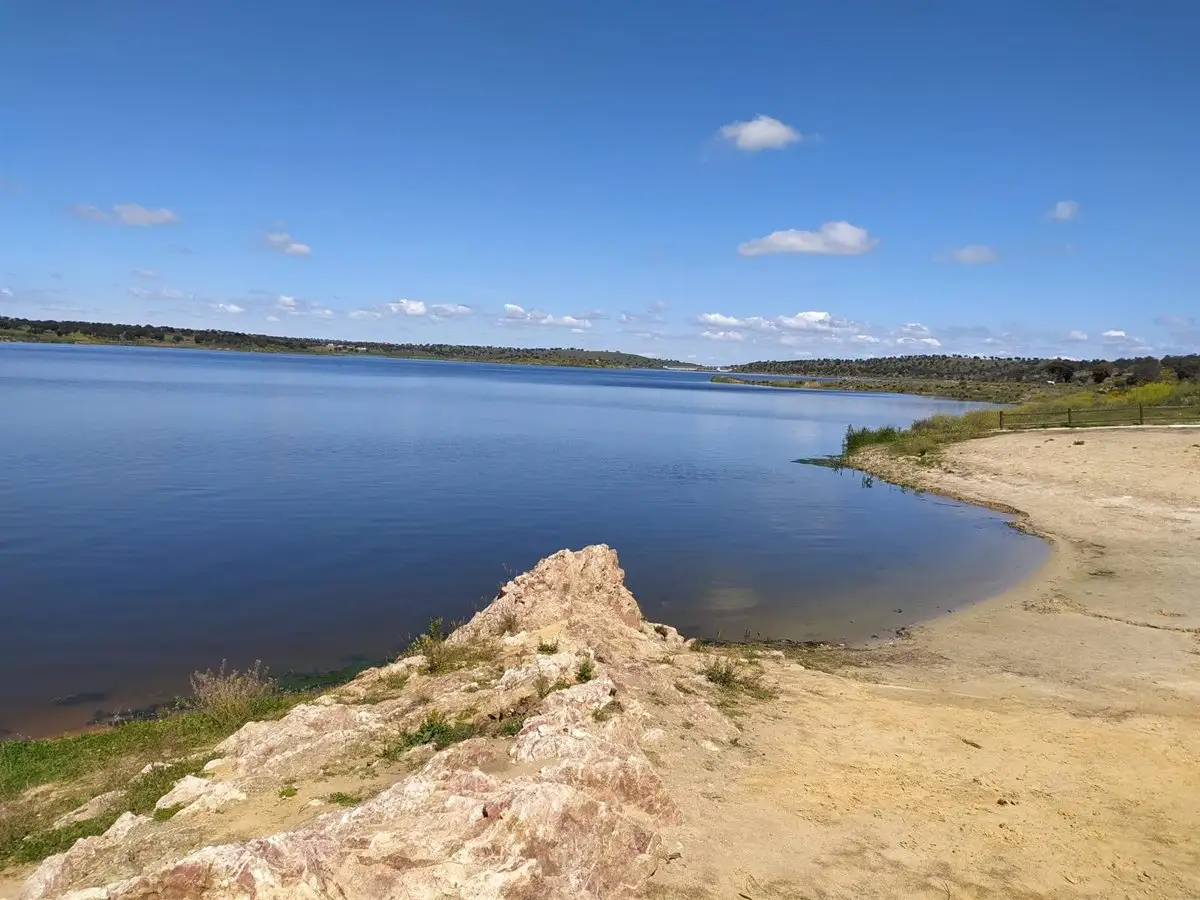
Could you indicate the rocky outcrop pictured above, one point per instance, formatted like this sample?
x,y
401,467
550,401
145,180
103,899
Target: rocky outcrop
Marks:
x,y
570,806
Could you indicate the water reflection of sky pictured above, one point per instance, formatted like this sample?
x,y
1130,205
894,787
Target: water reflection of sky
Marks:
x,y
174,508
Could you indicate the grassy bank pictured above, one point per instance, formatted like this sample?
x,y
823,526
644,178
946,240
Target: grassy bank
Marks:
x,y
927,436
951,389
128,767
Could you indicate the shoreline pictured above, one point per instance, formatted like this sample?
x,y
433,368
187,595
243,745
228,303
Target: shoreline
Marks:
x,y
1082,574
1044,742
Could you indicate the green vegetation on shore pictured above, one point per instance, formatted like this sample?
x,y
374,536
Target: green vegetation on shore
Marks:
x,y
980,391
1135,370
163,336
1166,400
126,760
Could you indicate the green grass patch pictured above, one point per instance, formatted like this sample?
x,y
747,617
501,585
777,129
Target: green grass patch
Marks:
x,y
442,656
732,676
341,798
436,729
586,670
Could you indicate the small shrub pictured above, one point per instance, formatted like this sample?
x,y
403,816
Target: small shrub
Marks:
x,y
545,688
547,647
436,730
230,698
441,657
586,671
341,798
607,711
722,672
732,676
287,791
167,812
508,624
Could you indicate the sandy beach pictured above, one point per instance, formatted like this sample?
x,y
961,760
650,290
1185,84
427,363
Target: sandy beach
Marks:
x,y
1045,743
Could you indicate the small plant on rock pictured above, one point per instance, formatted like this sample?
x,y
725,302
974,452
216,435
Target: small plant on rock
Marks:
x,y
230,698
547,647
586,671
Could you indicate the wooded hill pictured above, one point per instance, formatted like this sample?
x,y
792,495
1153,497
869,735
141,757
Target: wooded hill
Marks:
x,y
979,368
157,335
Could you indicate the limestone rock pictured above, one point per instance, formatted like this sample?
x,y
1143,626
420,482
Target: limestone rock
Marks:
x,y
571,807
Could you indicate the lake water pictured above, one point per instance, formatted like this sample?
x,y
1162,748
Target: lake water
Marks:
x,y
162,510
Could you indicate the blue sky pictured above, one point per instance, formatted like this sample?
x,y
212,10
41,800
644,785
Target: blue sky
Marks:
x,y
717,181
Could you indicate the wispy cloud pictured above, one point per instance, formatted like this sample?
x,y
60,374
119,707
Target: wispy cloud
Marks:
x,y
417,309
518,315
760,133
161,293
1063,211
974,255
143,273
286,244
230,308
132,214
831,239
722,336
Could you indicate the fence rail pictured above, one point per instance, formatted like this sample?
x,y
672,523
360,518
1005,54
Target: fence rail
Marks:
x,y
1093,416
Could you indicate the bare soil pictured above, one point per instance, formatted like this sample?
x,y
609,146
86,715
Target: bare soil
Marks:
x,y
1045,743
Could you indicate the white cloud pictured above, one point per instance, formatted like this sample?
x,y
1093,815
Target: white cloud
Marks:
x,y
914,329
144,273
232,308
807,321
912,341
323,312
272,318
160,293
133,214
865,339
760,133
758,323
975,255
1063,211
718,319
284,243
518,315
831,239
407,307
1076,337
7,292
1117,340
722,336
413,309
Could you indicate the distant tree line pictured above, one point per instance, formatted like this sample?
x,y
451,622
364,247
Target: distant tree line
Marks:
x,y
101,332
1127,371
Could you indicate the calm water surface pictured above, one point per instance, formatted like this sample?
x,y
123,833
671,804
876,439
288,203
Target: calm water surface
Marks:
x,y
162,510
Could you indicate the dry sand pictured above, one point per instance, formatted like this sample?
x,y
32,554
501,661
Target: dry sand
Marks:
x,y
1045,743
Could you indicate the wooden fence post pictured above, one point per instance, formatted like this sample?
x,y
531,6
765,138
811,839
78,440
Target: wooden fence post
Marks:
x,y
1141,414
1068,415
1002,419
